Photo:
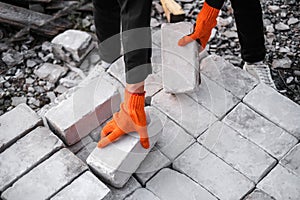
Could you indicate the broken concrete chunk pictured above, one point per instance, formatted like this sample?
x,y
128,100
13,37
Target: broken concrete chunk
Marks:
x,y
74,41
180,65
117,170
50,72
91,105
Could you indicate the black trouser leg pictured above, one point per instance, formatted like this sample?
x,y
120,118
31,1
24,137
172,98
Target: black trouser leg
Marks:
x,y
248,17
107,21
136,38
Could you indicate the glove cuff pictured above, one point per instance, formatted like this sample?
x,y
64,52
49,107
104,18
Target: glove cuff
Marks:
x,y
134,101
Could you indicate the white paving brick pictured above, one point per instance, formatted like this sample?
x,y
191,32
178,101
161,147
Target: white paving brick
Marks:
x,y
214,97
25,154
233,79
173,140
16,123
47,178
259,195
126,190
276,107
281,184
153,162
213,173
237,151
142,194
190,115
180,71
292,160
117,170
169,184
83,111
85,187
261,131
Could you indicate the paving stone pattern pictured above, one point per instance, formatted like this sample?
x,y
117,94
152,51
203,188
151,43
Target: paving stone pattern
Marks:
x,y
230,139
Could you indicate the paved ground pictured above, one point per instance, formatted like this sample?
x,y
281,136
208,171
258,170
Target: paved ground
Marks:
x,y
231,139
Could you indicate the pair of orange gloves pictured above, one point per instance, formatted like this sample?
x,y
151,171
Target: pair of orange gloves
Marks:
x,y
131,116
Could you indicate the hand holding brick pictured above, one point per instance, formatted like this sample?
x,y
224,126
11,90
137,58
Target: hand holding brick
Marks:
x,y
132,117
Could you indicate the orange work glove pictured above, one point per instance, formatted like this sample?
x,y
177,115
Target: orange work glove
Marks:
x,y
206,21
131,117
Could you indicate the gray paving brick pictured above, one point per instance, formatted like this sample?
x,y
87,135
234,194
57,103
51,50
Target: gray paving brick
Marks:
x,y
214,97
292,160
213,173
180,72
81,144
173,140
169,184
86,109
86,151
117,70
274,106
142,194
233,79
259,195
47,178
126,190
281,184
153,162
153,82
237,151
85,187
191,116
117,170
26,153
270,137
25,120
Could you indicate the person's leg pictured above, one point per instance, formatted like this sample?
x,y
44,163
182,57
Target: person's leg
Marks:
x,y
107,21
136,39
248,17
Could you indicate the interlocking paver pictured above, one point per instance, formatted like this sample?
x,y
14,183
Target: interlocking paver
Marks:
x,y
85,187
153,162
233,79
214,97
168,184
276,107
213,173
47,178
292,160
270,137
26,153
173,140
190,115
16,123
126,190
259,195
116,170
180,65
281,184
237,151
142,194
86,109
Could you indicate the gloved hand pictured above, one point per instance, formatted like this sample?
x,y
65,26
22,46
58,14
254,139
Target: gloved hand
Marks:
x,y
206,21
131,117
